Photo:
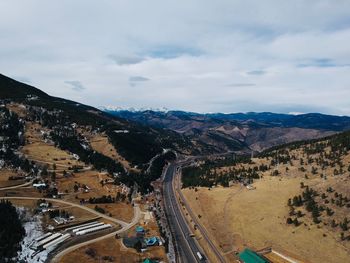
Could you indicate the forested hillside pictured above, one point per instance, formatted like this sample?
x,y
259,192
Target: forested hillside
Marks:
x,y
68,126
240,131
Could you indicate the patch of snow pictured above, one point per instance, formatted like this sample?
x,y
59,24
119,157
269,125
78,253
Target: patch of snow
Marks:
x,y
121,131
33,230
132,109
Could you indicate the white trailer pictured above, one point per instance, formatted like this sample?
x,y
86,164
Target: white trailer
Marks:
x,y
75,227
57,241
46,240
43,237
87,227
94,229
199,255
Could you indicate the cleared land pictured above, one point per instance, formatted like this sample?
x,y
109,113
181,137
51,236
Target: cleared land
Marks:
x,y
238,218
36,149
5,174
112,248
101,144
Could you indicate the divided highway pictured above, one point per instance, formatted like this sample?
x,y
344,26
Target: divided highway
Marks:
x,y
188,250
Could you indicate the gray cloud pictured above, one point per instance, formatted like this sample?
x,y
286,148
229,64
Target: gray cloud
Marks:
x,y
256,72
138,79
172,51
75,85
126,60
298,52
241,85
321,63
134,80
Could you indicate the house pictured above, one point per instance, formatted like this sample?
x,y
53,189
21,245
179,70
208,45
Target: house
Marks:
x,y
249,256
39,185
152,241
140,229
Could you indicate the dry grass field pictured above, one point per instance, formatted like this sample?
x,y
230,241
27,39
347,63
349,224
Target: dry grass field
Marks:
x,y
237,217
114,248
36,149
101,144
117,251
19,109
118,210
91,179
4,178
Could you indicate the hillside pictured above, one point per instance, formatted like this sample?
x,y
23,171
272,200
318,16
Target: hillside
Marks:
x,y
294,198
71,126
64,164
239,131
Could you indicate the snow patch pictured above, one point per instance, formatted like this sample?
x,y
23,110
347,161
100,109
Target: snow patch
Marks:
x,y
33,228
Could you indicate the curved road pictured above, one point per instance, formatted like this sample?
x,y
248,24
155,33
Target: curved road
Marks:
x,y
125,226
15,186
114,220
134,221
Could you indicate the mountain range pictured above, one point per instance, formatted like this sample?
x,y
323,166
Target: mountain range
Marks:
x,y
240,131
151,131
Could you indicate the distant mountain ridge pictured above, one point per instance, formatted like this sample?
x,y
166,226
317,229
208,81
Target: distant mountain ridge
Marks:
x,y
307,120
256,131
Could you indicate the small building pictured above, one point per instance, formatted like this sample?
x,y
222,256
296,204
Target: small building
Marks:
x,y
249,256
140,229
152,241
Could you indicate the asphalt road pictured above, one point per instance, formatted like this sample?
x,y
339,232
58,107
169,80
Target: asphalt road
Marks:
x,y
114,220
203,231
186,246
135,220
125,226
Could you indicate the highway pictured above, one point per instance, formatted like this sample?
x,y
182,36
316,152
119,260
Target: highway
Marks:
x,y
203,231
186,246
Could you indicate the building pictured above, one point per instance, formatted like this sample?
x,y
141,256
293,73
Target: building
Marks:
x,y
140,229
249,256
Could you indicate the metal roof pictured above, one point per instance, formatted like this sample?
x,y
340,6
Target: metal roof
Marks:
x,y
249,256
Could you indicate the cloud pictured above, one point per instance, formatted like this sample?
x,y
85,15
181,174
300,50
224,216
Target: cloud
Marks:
x,y
276,56
241,85
126,60
168,52
75,85
256,72
321,63
138,79
134,80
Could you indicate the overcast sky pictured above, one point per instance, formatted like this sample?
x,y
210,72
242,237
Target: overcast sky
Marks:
x,y
203,56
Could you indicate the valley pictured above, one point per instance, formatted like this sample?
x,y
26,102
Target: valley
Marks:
x,y
234,185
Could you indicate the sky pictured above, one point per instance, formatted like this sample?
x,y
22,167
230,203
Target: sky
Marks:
x,y
193,55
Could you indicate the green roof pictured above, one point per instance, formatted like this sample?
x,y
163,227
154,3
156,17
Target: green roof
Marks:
x,y
249,256
148,261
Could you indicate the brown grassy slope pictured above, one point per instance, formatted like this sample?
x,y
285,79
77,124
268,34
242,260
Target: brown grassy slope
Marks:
x,y
237,217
